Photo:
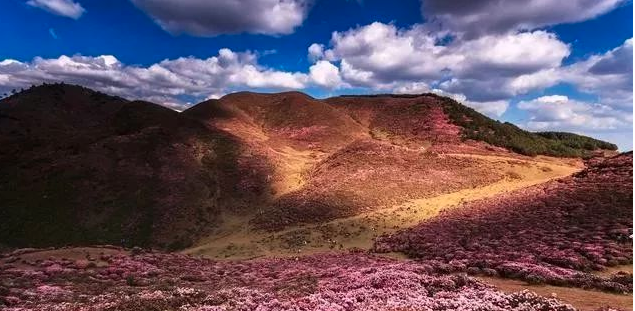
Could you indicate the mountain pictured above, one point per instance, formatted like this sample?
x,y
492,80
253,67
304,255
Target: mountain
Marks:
x,y
81,167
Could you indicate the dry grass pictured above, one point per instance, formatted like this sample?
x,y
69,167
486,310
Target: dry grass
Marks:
x,y
238,240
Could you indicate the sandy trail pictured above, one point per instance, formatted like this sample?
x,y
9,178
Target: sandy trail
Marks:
x,y
237,240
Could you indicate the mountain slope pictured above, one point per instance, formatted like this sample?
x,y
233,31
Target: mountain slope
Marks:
x,y
89,168
479,127
563,230
81,167
400,161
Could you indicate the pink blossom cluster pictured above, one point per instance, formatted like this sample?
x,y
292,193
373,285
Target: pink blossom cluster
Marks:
x,y
555,233
160,281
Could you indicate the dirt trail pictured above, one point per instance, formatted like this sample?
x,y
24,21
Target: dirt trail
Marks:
x,y
583,300
237,240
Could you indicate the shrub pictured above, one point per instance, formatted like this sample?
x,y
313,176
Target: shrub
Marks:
x,y
477,126
552,233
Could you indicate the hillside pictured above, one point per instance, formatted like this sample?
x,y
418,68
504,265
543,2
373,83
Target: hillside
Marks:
x,y
564,229
471,124
568,239
81,167
479,127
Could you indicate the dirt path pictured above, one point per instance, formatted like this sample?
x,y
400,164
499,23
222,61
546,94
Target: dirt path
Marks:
x,y
583,300
237,240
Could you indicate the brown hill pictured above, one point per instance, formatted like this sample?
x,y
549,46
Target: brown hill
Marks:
x,y
289,118
81,167
418,122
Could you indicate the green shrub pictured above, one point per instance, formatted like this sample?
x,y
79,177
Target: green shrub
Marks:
x,y
476,126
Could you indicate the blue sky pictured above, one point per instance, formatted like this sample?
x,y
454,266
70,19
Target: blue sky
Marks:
x,y
544,66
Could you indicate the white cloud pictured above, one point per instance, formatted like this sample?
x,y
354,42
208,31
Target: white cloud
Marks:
x,y
476,18
493,109
325,74
382,53
608,75
211,18
558,112
379,55
485,72
316,52
67,8
412,88
595,119
510,54
164,82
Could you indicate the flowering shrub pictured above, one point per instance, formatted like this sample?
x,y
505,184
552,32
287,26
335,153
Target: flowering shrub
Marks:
x,y
351,281
554,233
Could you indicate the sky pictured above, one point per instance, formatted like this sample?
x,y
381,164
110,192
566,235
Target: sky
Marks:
x,y
543,65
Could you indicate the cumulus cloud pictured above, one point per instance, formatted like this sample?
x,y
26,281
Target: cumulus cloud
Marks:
x,y
211,18
476,18
412,88
484,72
325,74
67,8
164,82
316,52
559,112
379,55
494,109
608,75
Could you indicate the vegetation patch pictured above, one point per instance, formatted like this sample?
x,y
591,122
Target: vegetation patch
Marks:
x,y
476,126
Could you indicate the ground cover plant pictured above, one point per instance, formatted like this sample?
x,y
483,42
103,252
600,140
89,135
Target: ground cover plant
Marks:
x,y
140,280
553,233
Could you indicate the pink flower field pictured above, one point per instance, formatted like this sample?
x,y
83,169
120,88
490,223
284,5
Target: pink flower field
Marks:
x,y
555,233
161,281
